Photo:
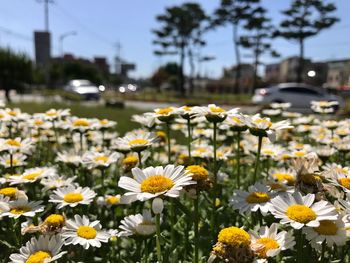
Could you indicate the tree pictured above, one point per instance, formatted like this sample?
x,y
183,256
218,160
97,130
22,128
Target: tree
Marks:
x,y
181,27
15,71
166,74
233,12
260,38
304,19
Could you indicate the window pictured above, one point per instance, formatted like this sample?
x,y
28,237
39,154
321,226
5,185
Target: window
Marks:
x,y
300,90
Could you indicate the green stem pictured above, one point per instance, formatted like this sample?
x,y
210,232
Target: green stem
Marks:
x,y
299,246
146,251
103,173
238,156
213,215
189,139
257,159
139,156
168,140
196,221
173,222
159,257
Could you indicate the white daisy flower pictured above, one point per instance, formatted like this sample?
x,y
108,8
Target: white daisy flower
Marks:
x,y
333,170
137,141
300,211
213,113
93,159
69,158
56,181
22,207
139,225
4,204
154,181
54,114
72,196
32,175
106,124
43,249
257,198
83,232
81,125
330,231
269,243
17,145
263,127
13,193
15,160
109,200
147,119
282,105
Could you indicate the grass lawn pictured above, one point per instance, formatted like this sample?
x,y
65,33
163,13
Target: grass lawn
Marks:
x,y
122,116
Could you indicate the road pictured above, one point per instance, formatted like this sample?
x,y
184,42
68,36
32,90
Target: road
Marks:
x,y
141,105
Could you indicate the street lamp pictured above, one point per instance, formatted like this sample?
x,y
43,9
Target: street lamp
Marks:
x,y
63,36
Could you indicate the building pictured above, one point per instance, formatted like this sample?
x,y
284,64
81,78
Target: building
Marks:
x,y
314,73
246,77
272,73
338,76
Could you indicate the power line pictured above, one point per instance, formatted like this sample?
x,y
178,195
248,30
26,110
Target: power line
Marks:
x,y
15,34
88,30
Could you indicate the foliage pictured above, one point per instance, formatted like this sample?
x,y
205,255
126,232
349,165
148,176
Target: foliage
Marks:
x,y
15,70
305,19
181,27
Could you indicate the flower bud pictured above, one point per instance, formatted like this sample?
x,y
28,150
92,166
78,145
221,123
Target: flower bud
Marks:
x,y
157,205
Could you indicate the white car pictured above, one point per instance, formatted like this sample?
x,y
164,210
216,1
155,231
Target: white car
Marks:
x,y
83,88
299,95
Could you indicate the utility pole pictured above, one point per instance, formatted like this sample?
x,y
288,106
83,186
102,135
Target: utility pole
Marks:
x,y
46,12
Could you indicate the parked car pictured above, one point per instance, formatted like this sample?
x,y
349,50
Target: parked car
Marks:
x,y
84,88
299,95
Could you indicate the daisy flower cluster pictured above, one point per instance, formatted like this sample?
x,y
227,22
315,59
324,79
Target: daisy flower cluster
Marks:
x,y
190,184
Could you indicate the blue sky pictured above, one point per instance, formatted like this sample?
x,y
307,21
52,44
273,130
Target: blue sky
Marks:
x,y
101,24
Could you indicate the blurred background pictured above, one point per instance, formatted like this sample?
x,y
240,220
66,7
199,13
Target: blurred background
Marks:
x,y
145,54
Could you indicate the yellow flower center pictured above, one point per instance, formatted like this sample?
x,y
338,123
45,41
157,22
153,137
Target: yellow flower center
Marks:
x,y
299,153
327,228
73,197
104,122
266,243
257,198
236,120
268,152
9,192
12,113
55,220
214,109
32,176
198,172
234,236
51,113
299,146
130,160
13,143
38,257
81,122
101,159
284,177
156,183
38,122
14,162
20,210
161,134
344,182
201,150
164,111
301,213
263,121
186,108
138,142
87,232
112,200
